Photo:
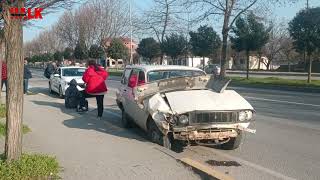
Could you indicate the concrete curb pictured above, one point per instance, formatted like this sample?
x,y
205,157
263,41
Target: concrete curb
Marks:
x,y
204,171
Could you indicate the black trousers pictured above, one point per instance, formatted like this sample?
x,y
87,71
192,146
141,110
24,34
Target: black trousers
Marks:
x,y
99,99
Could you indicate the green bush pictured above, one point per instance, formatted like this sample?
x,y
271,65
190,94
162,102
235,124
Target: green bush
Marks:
x,y
25,129
30,167
2,111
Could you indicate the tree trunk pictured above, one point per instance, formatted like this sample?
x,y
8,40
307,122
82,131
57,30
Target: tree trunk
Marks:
x,y
224,54
203,63
248,63
1,61
14,58
259,59
289,68
192,61
310,68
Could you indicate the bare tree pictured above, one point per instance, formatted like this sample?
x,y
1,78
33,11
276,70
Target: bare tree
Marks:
x,y
66,29
94,22
230,10
13,36
276,43
288,51
161,18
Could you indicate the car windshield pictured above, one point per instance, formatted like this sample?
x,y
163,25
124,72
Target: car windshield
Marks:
x,y
166,74
73,72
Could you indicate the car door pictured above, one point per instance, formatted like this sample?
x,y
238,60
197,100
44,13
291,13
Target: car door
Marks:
x,y
123,86
131,106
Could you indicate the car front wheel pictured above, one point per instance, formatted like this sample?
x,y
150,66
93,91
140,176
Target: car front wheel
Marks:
x,y
233,143
125,121
156,136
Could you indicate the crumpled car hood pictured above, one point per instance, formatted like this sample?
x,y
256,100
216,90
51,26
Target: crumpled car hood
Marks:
x,y
206,100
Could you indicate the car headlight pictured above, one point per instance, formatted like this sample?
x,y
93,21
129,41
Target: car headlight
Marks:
x,y
245,115
183,119
249,115
242,116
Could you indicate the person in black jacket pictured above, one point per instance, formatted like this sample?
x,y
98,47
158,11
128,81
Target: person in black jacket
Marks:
x,y
71,99
49,70
26,76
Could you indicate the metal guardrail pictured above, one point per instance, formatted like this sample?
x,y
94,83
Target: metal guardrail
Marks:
x,y
273,73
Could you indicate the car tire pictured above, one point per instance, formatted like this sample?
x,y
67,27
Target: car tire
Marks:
x,y
125,121
61,93
156,136
50,88
233,143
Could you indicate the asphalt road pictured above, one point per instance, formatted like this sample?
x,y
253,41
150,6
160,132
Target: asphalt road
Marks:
x,y
286,145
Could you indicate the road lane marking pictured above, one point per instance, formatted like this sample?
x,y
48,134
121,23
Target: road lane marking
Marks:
x,y
280,101
250,164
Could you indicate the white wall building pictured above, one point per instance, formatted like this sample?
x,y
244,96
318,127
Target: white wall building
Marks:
x,y
187,61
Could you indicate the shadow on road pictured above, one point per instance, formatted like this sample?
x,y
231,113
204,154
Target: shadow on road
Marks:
x,y
110,123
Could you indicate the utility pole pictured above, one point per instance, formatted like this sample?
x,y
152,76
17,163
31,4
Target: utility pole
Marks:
x,y
131,58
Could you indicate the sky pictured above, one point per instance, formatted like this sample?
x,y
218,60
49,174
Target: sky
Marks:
x,y
284,13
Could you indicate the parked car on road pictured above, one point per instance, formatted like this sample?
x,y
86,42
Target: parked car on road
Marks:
x,y
182,104
60,79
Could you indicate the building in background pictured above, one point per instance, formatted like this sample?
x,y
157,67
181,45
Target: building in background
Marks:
x,y
187,61
120,62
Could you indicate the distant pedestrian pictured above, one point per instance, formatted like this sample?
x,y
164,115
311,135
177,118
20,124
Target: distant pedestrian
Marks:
x,y
26,76
95,77
49,70
4,75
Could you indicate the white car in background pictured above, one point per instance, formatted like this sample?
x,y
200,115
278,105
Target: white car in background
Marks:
x,y
60,79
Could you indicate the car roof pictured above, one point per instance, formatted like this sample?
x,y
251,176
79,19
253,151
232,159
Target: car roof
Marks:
x,y
148,68
72,67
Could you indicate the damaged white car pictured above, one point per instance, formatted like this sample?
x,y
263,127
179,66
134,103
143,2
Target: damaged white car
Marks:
x,y
183,104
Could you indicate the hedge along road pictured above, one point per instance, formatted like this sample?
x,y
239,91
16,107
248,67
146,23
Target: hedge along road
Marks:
x,y
285,146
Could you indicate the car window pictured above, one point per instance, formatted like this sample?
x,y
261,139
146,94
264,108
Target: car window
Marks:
x,y
158,75
73,72
174,74
125,76
133,80
58,71
142,78
198,73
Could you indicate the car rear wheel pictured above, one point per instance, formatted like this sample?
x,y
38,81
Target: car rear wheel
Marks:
x,y
125,121
233,143
61,93
156,136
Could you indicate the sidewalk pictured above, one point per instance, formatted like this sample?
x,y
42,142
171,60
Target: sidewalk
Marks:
x,y
90,149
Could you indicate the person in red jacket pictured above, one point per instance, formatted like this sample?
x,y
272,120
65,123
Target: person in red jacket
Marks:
x,y
95,77
4,75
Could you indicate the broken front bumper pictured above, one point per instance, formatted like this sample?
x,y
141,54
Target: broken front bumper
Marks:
x,y
208,132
